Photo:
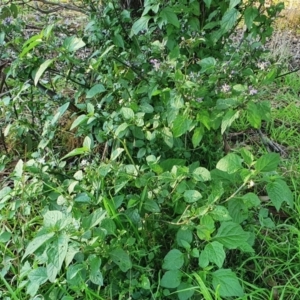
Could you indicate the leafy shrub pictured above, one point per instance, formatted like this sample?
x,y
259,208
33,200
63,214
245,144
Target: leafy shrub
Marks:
x,y
151,208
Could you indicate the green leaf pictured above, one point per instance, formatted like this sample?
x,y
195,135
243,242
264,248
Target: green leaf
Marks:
x,y
127,113
185,291
201,174
121,258
231,235
229,19
234,3
184,235
279,192
238,210
77,151
37,242
169,17
95,274
73,43
38,275
118,40
93,219
208,3
18,171
78,121
173,260
268,162
207,64
5,192
250,14
226,282
197,136
167,136
43,67
95,90
171,279
215,253
139,25
61,110
247,156
191,196
121,130
152,206
116,153
230,163
5,236
253,115
56,255
228,119
181,125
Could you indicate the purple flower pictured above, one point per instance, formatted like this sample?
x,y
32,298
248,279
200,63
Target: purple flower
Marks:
x,y
7,21
252,91
225,88
155,63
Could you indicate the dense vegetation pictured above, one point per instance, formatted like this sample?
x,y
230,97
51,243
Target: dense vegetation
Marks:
x,y
135,158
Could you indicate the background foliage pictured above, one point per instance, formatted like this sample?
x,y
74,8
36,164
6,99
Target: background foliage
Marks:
x,y
124,185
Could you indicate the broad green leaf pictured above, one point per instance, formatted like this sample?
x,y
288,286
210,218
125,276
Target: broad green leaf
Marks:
x,y
228,119
121,258
181,125
52,218
231,235
18,171
238,210
87,143
167,136
5,236
197,136
96,276
227,283
185,291
203,260
171,279
279,192
78,121
38,275
116,153
173,260
82,198
56,255
207,64
184,235
251,200
229,19
247,156
5,192
93,219
253,115
30,47
61,110
121,130
250,14
208,3
152,206
230,163
95,90
127,113
220,213
215,253
139,25
77,151
224,104
37,242
118,40
73,43
169,17
191,196
268,162
234,3
42,68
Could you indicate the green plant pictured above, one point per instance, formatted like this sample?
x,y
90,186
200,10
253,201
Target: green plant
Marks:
x,y
148,207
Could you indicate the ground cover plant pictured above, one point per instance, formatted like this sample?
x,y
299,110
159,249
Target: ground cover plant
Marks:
x,y
143,152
